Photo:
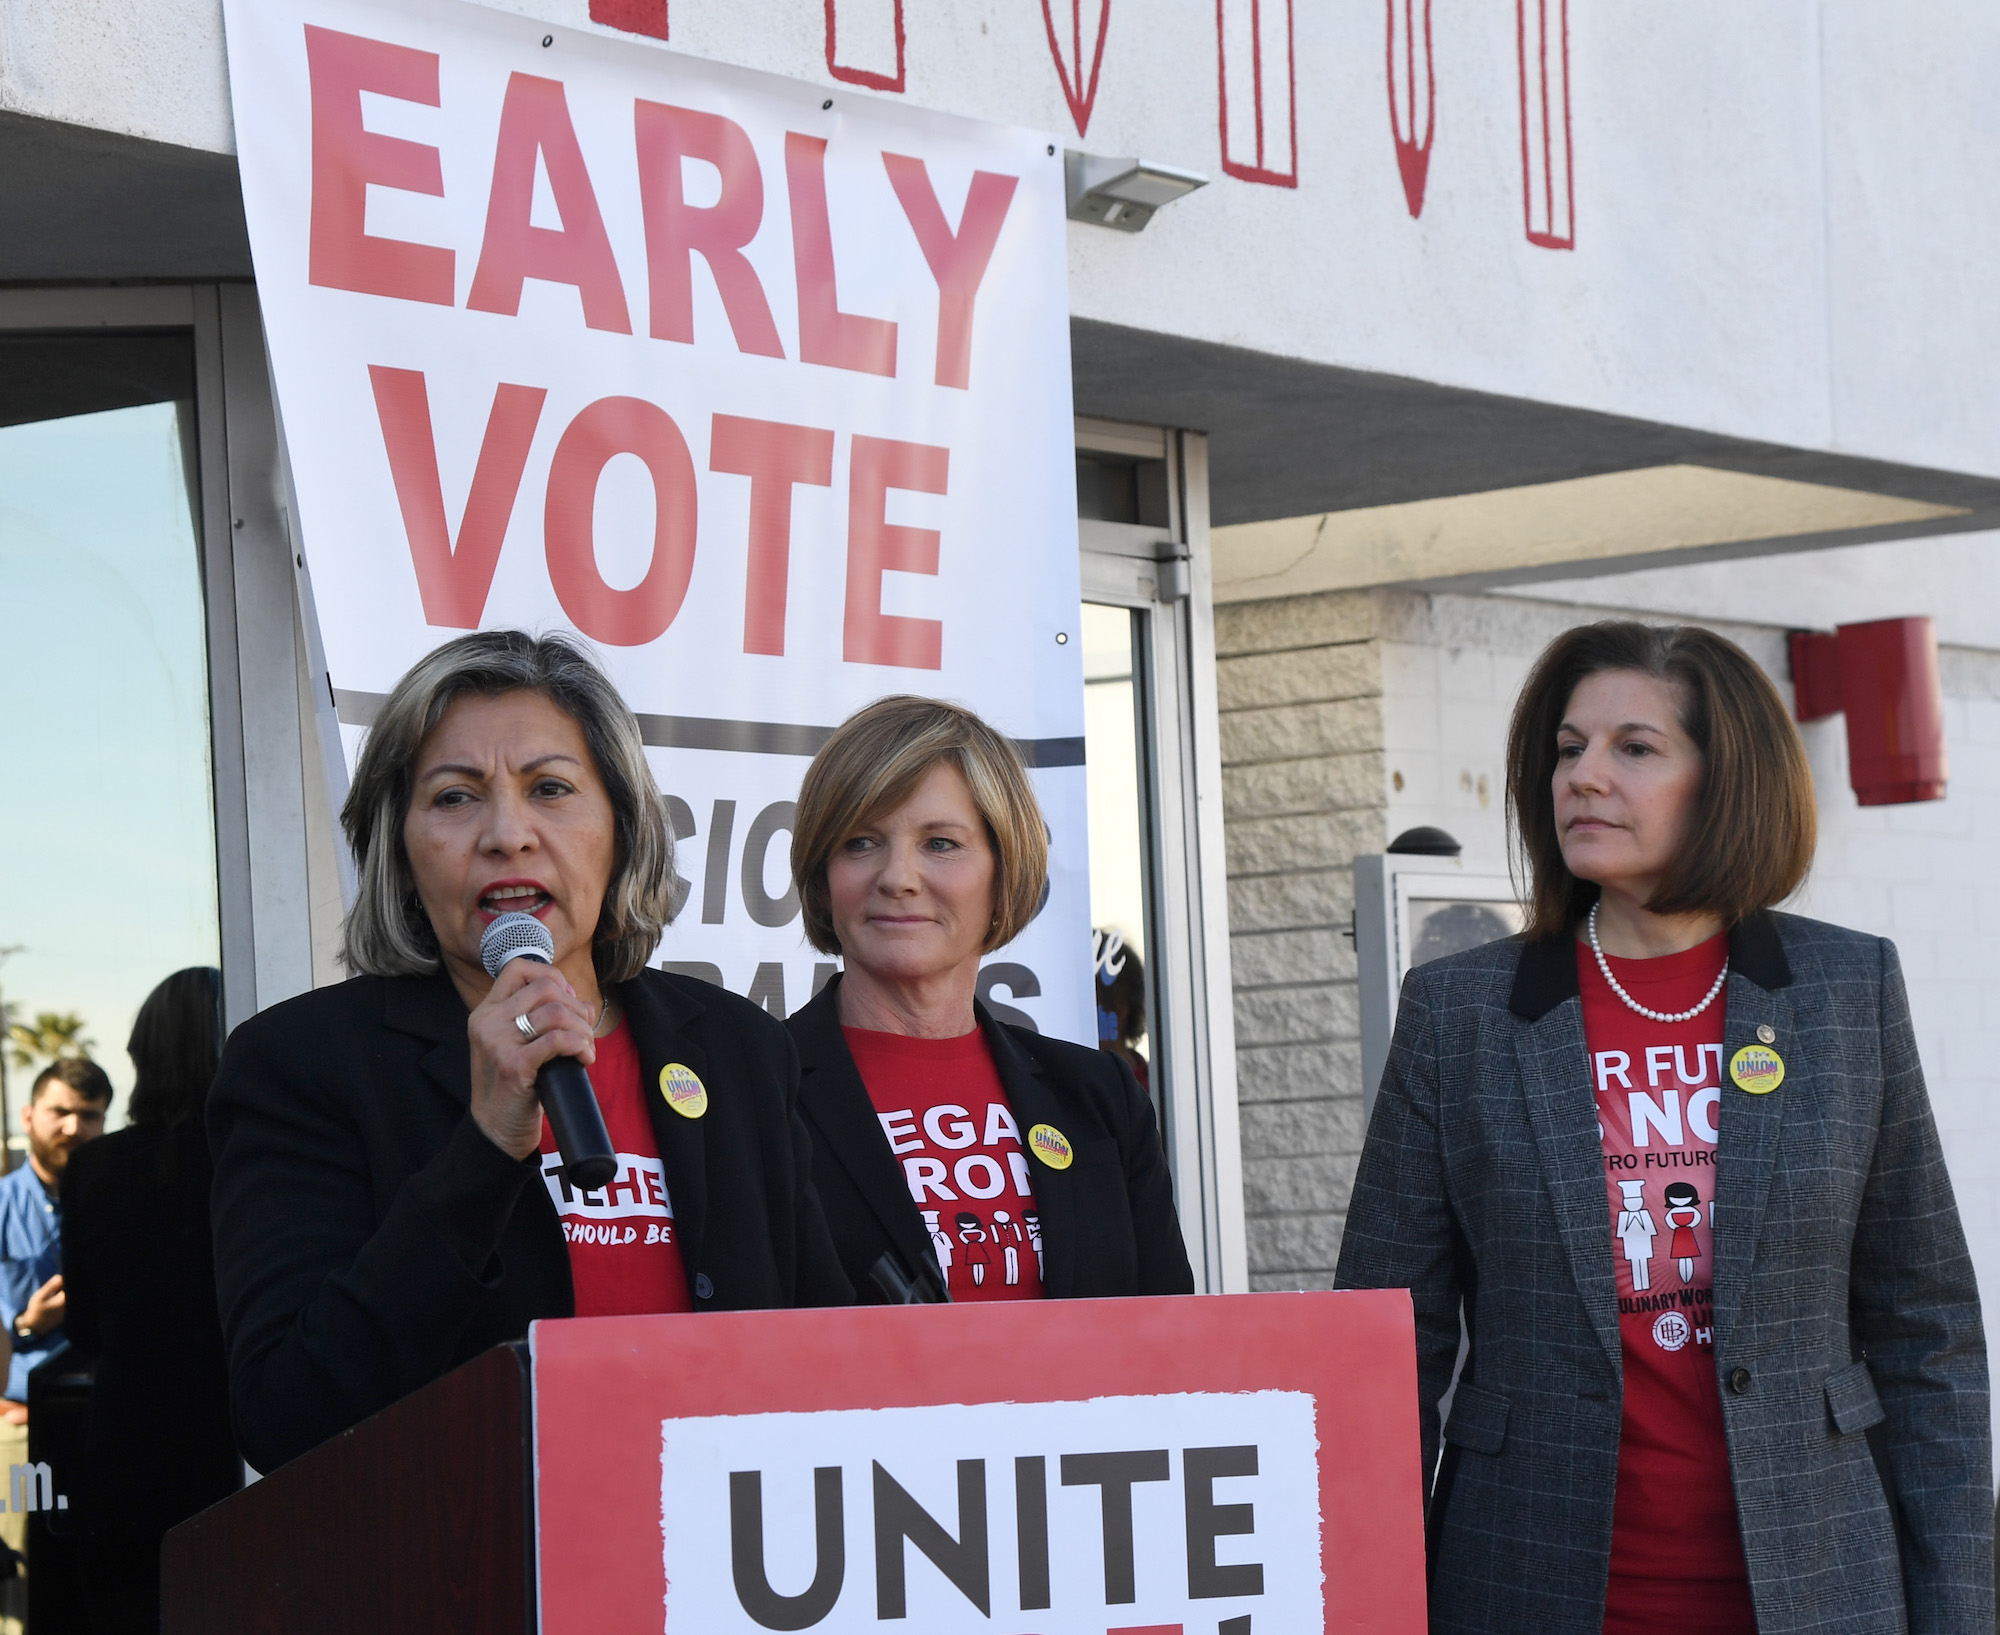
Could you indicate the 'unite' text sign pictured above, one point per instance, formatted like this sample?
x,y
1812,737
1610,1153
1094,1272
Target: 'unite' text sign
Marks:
x,y
1216,1464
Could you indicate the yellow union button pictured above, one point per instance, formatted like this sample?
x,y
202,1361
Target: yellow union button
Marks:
x,y
685,1093
1758,1069
1051,1146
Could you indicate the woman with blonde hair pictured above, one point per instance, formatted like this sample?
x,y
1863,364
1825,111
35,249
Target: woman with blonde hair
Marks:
x,y
1667,1164
389,1201
957,1155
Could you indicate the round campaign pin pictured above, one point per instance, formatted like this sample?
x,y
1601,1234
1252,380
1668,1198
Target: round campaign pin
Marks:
x,y
1757,1069
1051,1146
685,1093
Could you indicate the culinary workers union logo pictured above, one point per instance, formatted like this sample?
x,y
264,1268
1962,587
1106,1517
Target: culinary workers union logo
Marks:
x,y
1051,1146
684,1091
1671,1331
1757,1069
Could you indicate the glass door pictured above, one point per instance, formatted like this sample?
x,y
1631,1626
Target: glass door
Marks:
x,y
1154,780
109,831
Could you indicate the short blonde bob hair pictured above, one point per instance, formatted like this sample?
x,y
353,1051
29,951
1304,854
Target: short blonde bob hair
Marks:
x,y
874,762
387,932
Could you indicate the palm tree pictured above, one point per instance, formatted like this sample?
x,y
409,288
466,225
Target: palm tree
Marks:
x,y
51,1036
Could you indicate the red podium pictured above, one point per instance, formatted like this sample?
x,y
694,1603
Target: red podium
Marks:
x,y
1234,1465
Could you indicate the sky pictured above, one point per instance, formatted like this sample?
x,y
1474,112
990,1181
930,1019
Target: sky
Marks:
x,y
107,830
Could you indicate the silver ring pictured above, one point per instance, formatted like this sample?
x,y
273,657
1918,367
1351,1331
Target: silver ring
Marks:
x,y
526,1028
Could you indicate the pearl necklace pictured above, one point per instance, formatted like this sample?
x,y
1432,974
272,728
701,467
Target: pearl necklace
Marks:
x,y
1604,965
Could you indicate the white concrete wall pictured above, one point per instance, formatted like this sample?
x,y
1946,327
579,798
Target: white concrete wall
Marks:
x,y
1779,230
146,68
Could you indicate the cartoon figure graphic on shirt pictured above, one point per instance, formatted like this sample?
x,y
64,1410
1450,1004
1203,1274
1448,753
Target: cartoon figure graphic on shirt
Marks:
x,y
1033,1223
1005,1227
1683,1212
973,1236
941,1242
1636,1232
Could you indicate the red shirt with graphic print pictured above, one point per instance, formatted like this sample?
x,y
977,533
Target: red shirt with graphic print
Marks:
x,y
1676,1551
946,1115
623,1255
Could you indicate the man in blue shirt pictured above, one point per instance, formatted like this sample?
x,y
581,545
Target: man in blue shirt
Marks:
x,y
65,1108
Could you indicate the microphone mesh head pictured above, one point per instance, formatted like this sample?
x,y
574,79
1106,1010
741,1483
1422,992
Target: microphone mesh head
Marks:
x,y
515,936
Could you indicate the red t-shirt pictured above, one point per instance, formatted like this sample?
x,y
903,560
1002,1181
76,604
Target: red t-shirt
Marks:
x,y
623,1255
945,1113
1676,1551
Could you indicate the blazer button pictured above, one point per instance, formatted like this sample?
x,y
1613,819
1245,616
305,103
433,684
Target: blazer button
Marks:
x,y
1739,1380
705,1290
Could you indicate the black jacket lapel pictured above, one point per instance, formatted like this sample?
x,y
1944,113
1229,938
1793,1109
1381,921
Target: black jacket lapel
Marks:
x,y
430,1009
660,1018
843,1120
1033,1102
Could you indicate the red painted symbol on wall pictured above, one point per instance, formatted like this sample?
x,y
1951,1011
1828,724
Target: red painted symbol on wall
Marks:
x,y
864,43
1412,95
1076,37
1260,122
1548,192
647,17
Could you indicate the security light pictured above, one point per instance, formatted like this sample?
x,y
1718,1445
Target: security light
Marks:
x,y
1122,193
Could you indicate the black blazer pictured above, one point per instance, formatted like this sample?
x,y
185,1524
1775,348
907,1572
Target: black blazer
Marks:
x,y
369,1237
140,1287
1108,1221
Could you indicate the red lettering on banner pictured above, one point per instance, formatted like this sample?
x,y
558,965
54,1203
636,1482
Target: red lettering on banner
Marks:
x,y
607,428
826,334
676,231
346,158
773,456
876,546
534,119
647,17
957,260
453,580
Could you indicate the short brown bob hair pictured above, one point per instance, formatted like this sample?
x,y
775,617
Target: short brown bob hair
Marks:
x,y
387,932
874,762
1752,837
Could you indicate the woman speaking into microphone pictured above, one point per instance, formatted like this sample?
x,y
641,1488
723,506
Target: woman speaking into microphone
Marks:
x,y
951,1149
1667,1162
389,1199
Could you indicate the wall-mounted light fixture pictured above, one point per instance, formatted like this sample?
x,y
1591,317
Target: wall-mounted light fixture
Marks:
x,y
1122,193
1883,675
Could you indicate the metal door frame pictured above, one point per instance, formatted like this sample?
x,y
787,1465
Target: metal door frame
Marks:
x,y
1163,574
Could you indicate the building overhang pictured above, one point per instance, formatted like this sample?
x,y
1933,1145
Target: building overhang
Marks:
x,y
1335,479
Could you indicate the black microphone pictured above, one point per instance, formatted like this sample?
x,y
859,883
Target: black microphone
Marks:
x,y
562,1083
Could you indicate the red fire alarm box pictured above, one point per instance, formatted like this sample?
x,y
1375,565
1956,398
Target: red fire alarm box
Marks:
x,y
1883,675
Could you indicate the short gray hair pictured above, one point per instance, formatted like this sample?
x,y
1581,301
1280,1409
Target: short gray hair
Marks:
x,y
387,932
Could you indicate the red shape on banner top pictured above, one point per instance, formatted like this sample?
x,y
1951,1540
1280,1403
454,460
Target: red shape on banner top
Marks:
x,y
647,17
1057,1467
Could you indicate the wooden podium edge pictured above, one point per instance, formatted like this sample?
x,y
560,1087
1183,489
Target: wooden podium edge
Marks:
x,y
421,1517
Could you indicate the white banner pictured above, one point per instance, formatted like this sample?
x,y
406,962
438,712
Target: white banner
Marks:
x,y
1188,1510
763,391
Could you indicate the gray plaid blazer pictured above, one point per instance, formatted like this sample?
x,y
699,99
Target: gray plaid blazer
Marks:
x,y
1848,1343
